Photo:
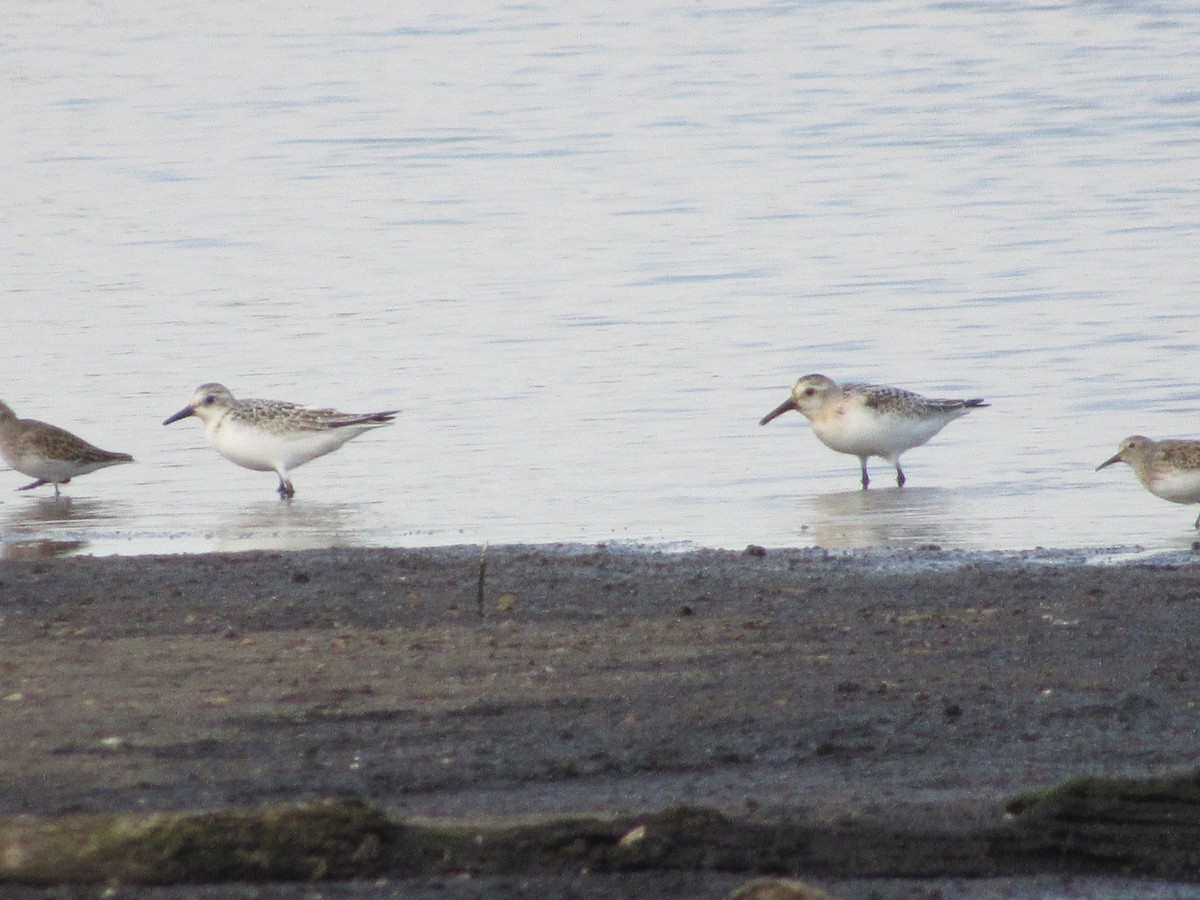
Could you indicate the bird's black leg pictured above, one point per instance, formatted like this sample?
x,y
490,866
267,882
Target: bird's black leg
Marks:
x,y
865,479
286,491
900,479
38,483
1197,521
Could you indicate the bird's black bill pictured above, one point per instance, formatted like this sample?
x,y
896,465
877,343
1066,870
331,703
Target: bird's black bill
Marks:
x,y
785,406
1109,462
182,414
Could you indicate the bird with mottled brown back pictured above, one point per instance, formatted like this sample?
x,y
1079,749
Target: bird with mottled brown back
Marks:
x,y
1168,469
49,454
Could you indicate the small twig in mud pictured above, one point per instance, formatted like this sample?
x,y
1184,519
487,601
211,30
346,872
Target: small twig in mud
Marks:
x,y
482,576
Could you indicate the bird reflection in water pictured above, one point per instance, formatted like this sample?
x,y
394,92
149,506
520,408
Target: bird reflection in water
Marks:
x,y
51,526
912,517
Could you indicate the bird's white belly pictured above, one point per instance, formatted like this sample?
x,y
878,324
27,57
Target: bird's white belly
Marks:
x,y
863,433
15,461
52,470
1176,486
266,451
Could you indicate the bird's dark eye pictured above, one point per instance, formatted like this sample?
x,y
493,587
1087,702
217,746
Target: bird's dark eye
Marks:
x,y
209,400
808,392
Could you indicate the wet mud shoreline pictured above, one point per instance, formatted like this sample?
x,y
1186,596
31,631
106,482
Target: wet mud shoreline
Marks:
x,y
891,692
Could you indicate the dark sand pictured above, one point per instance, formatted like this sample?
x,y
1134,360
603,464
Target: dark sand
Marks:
x,y
897,689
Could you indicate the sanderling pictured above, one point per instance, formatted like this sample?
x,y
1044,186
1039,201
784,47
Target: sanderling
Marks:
x,y
49,453
1168,469
868,419
271,435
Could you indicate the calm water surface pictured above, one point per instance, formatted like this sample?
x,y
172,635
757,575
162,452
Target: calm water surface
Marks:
x,y
585,247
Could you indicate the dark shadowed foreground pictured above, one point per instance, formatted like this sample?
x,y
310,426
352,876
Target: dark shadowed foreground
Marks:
x,y
600,723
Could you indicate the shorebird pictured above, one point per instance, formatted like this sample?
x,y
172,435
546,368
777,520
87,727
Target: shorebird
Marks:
x,y
1168,469
272,435
48,453
870,420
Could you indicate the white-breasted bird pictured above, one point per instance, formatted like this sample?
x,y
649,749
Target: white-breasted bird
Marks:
x,y
866,420
273,435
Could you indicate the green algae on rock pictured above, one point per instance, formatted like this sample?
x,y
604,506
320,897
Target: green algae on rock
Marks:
x,y
1126,825
327,839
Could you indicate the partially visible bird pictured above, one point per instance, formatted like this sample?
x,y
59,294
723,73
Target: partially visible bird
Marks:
x,y
1168,469
50,454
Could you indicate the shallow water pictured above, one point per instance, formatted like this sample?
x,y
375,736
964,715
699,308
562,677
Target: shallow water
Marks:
x,y
585,249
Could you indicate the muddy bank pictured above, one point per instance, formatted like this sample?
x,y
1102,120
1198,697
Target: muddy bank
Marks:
x,y
889,691
1130,827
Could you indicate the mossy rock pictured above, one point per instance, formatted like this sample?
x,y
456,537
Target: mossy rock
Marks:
x,y
1132,826
328,839
1126,799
